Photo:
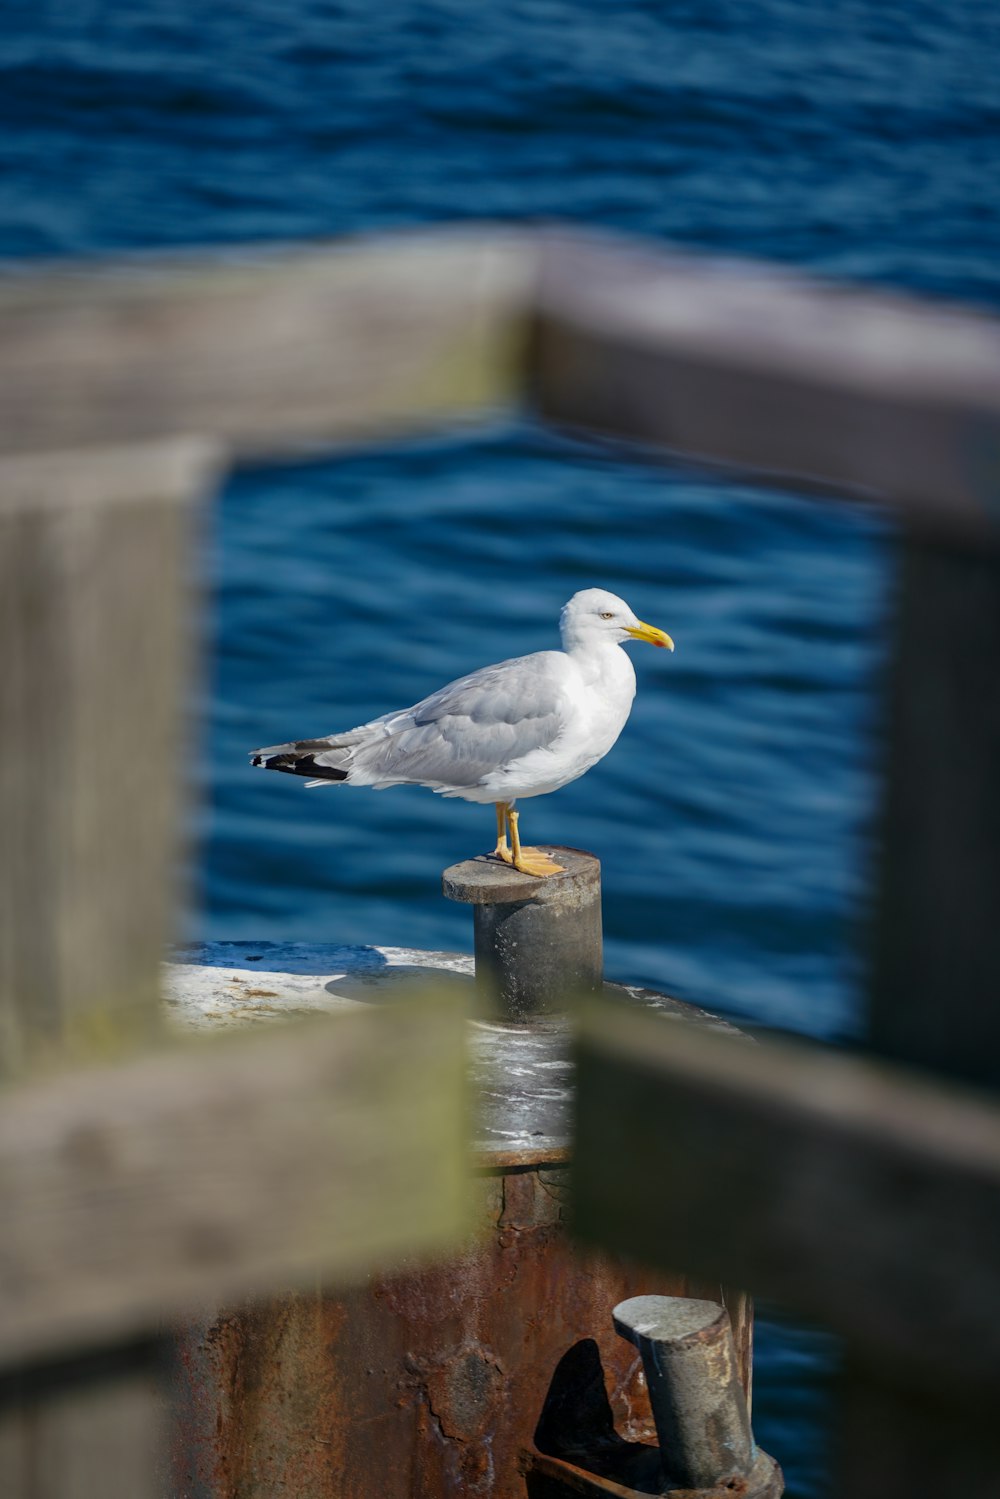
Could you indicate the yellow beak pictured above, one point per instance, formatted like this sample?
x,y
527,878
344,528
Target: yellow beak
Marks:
x,y
652,634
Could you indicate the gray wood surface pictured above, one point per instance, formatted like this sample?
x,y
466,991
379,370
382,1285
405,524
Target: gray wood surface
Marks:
x,y
765,371
857,1194
936,959
935,994
265,348
95,622
894,1441
898,1442
757,368
249,1162
86,1427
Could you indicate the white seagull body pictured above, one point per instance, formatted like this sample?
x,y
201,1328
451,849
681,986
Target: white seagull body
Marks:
x,y
521,728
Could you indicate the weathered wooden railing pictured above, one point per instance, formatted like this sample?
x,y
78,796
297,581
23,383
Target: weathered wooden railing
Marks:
x,y
137,1178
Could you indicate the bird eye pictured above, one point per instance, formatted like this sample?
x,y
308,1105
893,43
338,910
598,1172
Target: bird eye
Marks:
x,y
606,614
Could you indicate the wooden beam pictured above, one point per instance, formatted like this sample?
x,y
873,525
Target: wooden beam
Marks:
x,y
769,373
86,1427
245,1163
849,1191
266,349
759,369
935,974
96,625
94,567
895,1442
936,940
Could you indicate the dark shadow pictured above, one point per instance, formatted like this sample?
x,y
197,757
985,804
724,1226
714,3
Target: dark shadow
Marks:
x,y
366,972
50,1377
577,1425
391,982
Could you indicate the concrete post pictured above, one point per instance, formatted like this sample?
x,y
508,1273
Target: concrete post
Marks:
x,y
697,1400
537,941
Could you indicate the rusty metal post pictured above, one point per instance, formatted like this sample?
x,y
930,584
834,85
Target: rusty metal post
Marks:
x,y
697,1400
537,941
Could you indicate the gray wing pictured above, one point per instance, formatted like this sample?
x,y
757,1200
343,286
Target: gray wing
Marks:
x,y
475,725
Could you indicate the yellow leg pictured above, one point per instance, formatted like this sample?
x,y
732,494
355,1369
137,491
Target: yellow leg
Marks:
x,y
529,860
502,851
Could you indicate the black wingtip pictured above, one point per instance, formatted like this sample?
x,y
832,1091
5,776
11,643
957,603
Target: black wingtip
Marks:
x,y
299,765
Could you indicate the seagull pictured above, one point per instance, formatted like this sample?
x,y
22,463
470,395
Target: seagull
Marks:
x,y
522,728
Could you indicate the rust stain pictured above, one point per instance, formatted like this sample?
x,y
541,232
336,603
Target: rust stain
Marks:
x,y
426,1384
465,1392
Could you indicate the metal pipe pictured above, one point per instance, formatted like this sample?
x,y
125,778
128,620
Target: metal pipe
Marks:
x,y
695,1393
537,941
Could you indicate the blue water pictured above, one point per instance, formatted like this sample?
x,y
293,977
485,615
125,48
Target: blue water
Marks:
x,y
859,139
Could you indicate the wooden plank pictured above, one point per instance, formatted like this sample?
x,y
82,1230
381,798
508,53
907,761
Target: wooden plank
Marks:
x,y
936,971
95,1427
173,471
819,386
245,1163
95,623
95,632
897,1442
936,975
760,369
264,348
857,1194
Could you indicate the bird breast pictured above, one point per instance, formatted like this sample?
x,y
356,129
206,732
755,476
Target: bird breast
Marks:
x,y
602,702
599,690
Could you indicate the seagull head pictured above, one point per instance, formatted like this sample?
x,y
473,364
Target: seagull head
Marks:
x,y
594,616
